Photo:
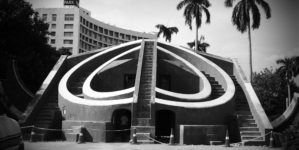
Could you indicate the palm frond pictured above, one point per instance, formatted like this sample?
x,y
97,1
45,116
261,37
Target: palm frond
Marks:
x,y
266,7
207,14
229,3
173,29
256,16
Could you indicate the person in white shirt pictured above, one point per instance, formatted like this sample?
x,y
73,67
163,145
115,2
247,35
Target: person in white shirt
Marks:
x,y
124,125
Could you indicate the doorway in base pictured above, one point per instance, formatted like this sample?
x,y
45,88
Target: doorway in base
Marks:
x,y
121,120
165,121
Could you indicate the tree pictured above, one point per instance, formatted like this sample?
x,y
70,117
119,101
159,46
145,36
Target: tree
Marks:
x,y
167,32
64,51
296,66
287,71
23,37
192,10
202,46
241,18
271,91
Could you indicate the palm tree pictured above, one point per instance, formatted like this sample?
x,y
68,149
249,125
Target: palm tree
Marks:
x,y
202,46
167,32
192,10
241,18
287,71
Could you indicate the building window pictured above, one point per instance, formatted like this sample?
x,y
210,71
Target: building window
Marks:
x,y
45,17
95,28
68,26
133,38
67,41
116,34
52,41
139,38
69,17
100,30
54,17
90,25
90,33
68,34
106,31
122,36
53,33
81,19
95,35
115,41
128,37
111,33
53,26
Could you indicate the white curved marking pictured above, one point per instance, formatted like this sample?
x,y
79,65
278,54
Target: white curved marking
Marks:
x,y
90,93
65,93
227,96
201,95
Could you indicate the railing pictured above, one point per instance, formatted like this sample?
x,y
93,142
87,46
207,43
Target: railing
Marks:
x,y
256,108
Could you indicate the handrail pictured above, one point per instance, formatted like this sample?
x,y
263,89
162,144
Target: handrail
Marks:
x,y
252,99
66,95
201,95
91,94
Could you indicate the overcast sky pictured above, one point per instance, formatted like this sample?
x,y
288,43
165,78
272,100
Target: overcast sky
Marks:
x,y
277,37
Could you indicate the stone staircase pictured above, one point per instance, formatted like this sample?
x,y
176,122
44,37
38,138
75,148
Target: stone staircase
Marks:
x,y
45,118
217,89
144,95
247,125
76,89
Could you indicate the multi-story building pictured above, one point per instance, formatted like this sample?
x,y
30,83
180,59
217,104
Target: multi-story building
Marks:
x,y
74,28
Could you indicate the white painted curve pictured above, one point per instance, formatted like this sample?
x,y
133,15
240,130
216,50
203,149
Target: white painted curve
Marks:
x,y
201,95
66,95
90,93
227,96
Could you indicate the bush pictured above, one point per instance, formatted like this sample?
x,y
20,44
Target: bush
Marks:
x,y
290,138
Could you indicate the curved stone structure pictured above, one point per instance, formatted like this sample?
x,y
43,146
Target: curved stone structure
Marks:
x,y
289,117
158,87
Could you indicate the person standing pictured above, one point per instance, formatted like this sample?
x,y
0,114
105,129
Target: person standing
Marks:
x,y
124,126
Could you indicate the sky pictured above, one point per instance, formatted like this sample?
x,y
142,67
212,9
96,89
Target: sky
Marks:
x,y
276,38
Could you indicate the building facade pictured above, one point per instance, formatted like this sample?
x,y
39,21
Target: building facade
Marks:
x,y
74,28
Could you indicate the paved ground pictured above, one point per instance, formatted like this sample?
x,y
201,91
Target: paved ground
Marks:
x,y
127,146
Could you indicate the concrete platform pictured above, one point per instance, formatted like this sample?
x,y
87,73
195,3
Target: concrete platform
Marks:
x,y
127,146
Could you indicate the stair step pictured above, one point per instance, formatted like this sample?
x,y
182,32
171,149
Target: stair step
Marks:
x,y
249,129
248,121
242,113
143,136
249,125
247,137
250,133
245,116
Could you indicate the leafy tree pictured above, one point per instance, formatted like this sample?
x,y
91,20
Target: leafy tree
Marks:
x,y
271,91
287,71
23,38
296,66
64,51
194,9
202,46
241,18
167,32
